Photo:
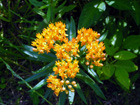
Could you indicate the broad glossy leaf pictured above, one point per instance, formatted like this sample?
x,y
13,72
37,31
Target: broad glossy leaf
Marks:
x,y
103,36
62,98
38,57
128,65
80,93
124,55
122,77
119,4
110,49
92,84
108,70
132,42
136,11
71,97
91,13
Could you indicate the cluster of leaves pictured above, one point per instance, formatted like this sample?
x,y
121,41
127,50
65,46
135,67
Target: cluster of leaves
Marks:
x,y
118,22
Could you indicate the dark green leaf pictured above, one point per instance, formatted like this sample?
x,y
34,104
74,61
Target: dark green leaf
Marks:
x,y
128,65
48,93
65,9
36,3
119,4
44,68
72,29
38,75
91,13
71,97
103,37
92,73
108,70
39,12
38,57
132,42
136,11
34,98
92,84
80,92
124,55
62,98
39,85
110,49
122,77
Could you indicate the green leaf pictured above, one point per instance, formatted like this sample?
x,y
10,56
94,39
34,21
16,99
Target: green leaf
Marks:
x,y
48,93
39,12
16,75
71,97
119,4
36,3
122,77
92,84
38,75
110,49
91,13
80,93
132,42
38,57
39,85
103,36
136,11
72,29
34,98
44,68
124,55
108,70
92,73
65,9
128,65
62,98
117,39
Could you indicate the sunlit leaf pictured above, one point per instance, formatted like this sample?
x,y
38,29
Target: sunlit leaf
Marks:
x,y
124,55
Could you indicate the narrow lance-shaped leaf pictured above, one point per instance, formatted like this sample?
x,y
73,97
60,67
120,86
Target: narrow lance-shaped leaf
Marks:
x,y
44,68
62,98
84,77
92,73
39,85
80,92
71,97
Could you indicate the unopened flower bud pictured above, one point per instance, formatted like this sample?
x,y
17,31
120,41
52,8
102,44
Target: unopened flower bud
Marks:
x,y
69,86
72,90
91,66
67,82
87,63
73,82
34,49
75,85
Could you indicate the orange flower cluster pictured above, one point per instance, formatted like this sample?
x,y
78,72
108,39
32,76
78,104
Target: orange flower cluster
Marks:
x,y
46,40
68,53
94,49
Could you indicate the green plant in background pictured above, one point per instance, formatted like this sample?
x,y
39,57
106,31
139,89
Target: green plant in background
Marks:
x,y
118,22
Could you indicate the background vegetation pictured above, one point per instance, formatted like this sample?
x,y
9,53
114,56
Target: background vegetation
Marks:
x,y
118,22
